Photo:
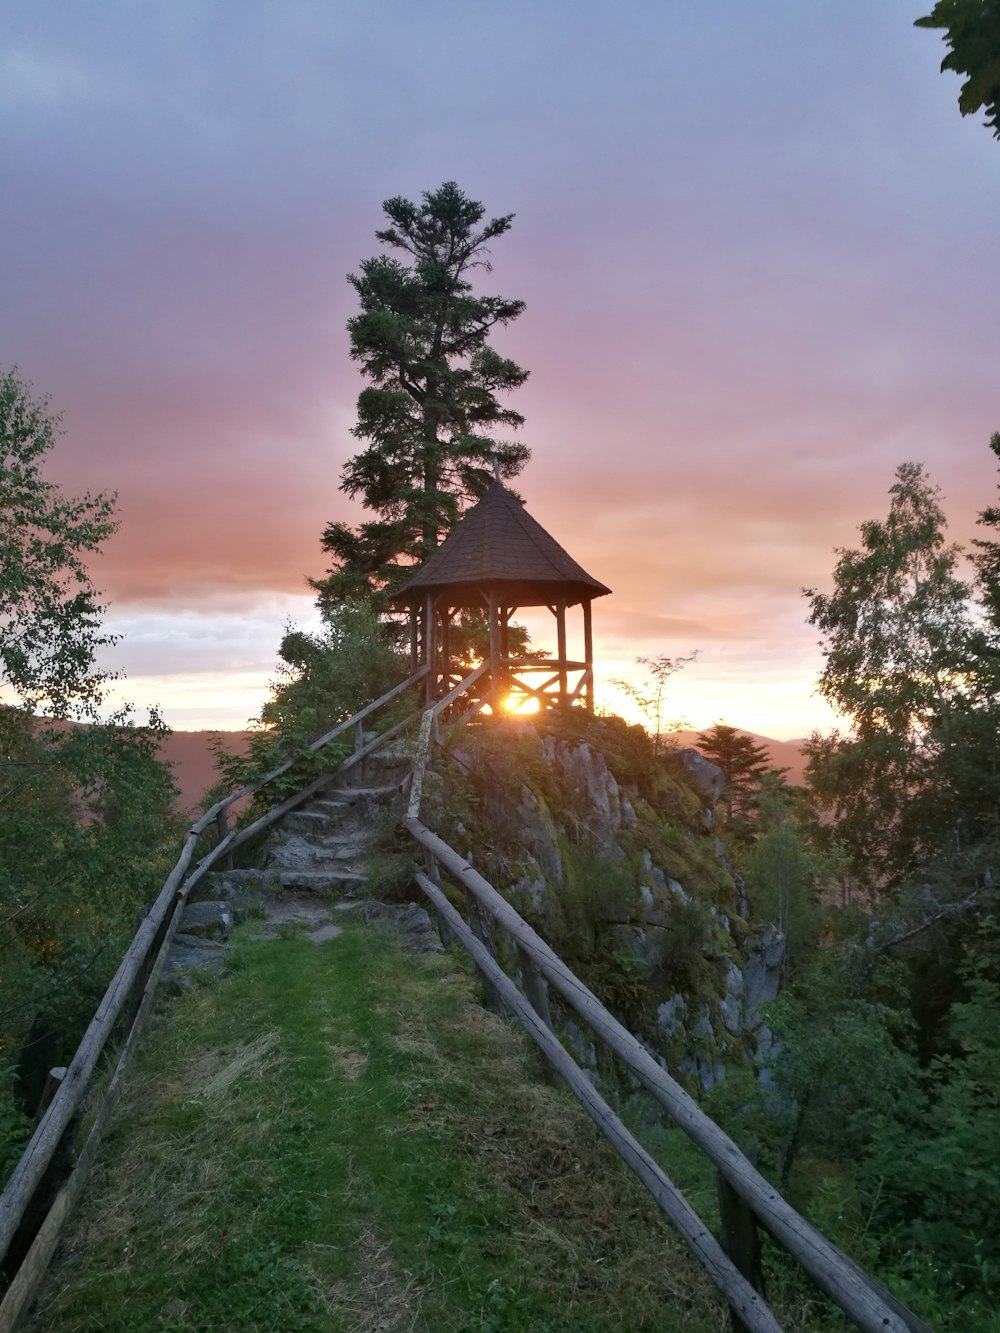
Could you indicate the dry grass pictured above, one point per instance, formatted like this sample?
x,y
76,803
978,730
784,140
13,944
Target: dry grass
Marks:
x,y
215,1073
582,1213
380,1299
352,1064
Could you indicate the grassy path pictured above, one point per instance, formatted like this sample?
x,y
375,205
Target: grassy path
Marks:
x,y
338,1137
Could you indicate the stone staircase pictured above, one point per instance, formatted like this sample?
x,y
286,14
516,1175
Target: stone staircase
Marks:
x,y
323,847
316,867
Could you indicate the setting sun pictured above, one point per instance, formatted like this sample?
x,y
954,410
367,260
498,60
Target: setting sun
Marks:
x,y
520,704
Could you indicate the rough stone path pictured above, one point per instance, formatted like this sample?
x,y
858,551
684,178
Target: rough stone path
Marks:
x,y
316,869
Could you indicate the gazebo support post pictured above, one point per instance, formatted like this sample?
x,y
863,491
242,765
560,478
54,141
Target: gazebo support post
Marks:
x,y
561,650
495,665
429,649
414,641
445,614
505,633
588,652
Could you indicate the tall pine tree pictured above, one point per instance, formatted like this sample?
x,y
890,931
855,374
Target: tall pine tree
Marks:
x,y
430,415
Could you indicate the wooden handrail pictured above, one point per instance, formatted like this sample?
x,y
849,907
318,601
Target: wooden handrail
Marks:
x,y
425,742
34,1161
748,1304
870,1306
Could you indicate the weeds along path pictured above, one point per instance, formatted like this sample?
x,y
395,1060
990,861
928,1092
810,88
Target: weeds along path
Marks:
x,y
338,1136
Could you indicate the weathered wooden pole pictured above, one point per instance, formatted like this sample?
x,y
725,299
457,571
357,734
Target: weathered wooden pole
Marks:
x,y
496,670
588,651
536,988
505,614
740,1240
561,649
431,691
222,829
445,614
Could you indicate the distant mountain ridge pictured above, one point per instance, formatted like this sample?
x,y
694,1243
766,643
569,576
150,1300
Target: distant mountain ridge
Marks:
x,y
190,755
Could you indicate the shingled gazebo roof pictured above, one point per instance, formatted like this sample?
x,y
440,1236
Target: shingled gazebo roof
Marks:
x,y
499,546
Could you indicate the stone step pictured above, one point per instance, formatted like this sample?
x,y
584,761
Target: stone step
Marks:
x,y
340,851
314,858
319,881
358,838
325,807
352,794
306,821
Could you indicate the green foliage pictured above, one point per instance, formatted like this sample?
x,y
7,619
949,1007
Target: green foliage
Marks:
x,y
682,964
49,614
322,679
783,875
901,647
88,828
972,29
429,413
597,893
650,697
841,1021
986,555
934,1166
15,1126
744,764
87,837
325,678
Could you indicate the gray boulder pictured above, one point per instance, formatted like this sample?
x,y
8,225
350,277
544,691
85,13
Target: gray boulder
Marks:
x,y
417,932
761,972
708,777
208,920
188,954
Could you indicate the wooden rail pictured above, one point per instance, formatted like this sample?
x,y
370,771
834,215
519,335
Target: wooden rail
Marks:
x,y
746,1196
130,984
751,1308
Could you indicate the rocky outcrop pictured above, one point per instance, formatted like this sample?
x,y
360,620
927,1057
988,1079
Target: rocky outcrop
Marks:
x,y
765,954
646,877
708,777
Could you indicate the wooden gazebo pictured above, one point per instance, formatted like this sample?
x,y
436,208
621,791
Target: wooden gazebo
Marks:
x,y
499,558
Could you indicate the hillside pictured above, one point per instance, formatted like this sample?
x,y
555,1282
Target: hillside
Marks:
x,y
190,755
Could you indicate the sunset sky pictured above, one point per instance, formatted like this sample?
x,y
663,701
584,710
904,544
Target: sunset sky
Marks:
x,y
757,243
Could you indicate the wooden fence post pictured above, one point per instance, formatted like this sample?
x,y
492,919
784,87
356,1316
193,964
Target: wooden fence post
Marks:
x,y
222,828
740,1240
434,873
536,990
481,927
535,986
